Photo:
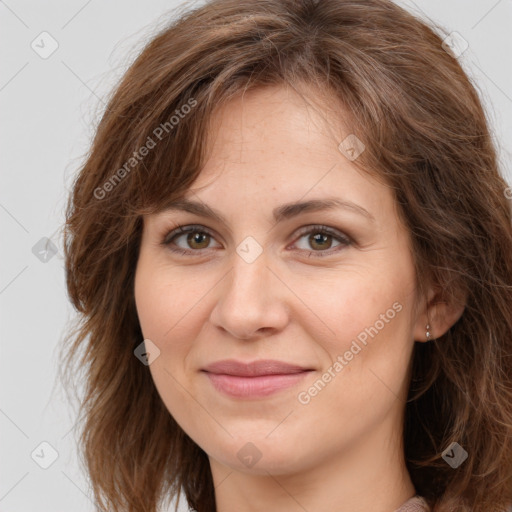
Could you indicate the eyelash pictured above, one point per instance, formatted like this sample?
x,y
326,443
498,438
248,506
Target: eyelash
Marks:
x,y
316,229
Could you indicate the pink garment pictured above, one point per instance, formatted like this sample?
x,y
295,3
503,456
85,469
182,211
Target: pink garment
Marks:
x,y
415,504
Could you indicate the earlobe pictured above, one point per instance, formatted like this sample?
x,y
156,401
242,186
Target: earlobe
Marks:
x,y
437,318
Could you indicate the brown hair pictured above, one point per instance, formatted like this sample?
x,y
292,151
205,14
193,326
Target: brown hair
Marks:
x,y
425,133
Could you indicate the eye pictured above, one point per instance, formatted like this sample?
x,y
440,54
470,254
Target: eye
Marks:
x,y
320,238
198,238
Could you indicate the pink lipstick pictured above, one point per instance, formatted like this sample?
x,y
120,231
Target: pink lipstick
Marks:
x,y
256,379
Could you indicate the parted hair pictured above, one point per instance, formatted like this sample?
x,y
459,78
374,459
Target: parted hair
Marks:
x,y
406,96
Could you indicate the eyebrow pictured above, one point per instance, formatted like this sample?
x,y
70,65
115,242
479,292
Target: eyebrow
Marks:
x,y
280,213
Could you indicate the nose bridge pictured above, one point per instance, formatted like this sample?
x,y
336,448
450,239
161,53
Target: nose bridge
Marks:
x,y
250,272
248,286
250,297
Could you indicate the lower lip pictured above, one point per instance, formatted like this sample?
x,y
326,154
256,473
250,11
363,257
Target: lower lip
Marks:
x,y
245,387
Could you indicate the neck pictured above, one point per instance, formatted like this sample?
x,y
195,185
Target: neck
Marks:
x,y
368,475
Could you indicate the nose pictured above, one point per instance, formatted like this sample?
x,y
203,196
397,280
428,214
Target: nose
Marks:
x,y
251,301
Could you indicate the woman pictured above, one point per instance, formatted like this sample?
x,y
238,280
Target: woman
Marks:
x,y
340,337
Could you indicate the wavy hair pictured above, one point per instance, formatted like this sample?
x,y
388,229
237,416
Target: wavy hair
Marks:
x,y
426,134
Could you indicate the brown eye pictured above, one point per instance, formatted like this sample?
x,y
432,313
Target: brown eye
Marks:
x,y
197,237
319,242
320,239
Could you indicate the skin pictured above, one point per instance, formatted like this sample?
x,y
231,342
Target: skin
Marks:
x,y
270,148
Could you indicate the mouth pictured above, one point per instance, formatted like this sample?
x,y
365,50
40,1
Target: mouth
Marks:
x,y
256,379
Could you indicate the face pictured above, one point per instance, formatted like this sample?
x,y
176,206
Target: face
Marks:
x,y
329,291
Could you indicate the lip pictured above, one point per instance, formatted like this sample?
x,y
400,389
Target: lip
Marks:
x,y
254,379
254,368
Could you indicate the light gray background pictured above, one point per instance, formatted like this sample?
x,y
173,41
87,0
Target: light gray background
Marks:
x,y
49,109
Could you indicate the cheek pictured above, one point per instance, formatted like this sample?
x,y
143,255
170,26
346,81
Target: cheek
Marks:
x,y
171,306
365,325
366,365
354,304
166,300
167,309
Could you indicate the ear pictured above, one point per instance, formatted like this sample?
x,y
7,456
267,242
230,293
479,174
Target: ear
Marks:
x,y
439,313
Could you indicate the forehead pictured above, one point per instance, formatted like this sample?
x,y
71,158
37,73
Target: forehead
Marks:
x,y
273,121
273,146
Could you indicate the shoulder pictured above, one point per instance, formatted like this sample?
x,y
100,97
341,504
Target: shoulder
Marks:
x,y
415,504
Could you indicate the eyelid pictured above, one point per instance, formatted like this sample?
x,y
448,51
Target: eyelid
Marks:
x,y
344,239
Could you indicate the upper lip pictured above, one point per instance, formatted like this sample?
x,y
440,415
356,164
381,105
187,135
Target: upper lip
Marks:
x,y
254,368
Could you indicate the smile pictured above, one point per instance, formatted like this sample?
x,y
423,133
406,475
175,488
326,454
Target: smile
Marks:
x,y
256,379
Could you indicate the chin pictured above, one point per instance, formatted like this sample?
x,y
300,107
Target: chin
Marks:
x,y
259,455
